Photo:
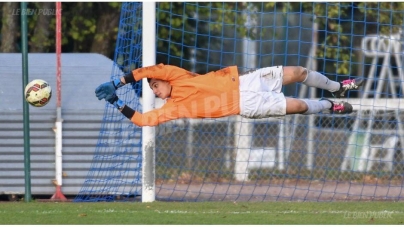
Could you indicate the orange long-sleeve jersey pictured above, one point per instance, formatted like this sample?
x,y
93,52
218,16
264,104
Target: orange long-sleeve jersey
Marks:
x,y
212,95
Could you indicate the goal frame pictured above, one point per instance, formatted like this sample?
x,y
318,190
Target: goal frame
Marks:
x,y
148,133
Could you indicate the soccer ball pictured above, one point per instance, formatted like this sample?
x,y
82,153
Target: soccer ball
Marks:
x,y
38,93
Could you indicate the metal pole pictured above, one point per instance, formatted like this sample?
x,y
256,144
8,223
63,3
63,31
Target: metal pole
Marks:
x,y
24,51
148,133
58,124
312,66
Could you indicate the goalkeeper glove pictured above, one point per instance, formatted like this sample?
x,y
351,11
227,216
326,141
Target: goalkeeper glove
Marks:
x,y
120,105
107,90
115,101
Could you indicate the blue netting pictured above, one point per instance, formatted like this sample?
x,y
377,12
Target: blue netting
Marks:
x,y
316,158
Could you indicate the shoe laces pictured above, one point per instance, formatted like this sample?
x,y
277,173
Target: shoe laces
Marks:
x,y
349,84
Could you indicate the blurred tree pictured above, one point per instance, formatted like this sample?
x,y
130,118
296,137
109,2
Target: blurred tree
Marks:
x,y
10,27
40,42
91,26
343,24
106,28
184,28
86,27
79,25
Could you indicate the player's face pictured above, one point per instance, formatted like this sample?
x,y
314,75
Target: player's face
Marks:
x,y
160,88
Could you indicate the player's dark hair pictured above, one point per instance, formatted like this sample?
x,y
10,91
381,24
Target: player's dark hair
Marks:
x,y
148,80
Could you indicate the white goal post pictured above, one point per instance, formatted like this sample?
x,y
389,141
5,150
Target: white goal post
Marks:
x,y
148,133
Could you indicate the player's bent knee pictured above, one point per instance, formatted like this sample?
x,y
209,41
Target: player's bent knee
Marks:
x,y
300,73
293,74
296,106
302,107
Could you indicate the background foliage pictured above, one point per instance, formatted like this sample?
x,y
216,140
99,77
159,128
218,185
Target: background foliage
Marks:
x,y
92,26
86,27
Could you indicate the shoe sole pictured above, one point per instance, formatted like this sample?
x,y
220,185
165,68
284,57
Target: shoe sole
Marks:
x,y
347,108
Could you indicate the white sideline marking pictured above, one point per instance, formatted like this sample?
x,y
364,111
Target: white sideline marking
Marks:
x,y
272,212
216,212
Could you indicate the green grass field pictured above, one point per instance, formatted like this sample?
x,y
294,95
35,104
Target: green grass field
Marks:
x,y
206,213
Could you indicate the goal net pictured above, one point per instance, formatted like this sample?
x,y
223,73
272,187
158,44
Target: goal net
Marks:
x,y
301,158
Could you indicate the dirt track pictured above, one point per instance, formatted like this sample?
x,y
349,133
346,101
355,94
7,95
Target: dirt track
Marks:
x,y
314,191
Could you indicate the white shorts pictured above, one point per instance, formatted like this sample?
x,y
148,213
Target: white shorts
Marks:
x,y
260,93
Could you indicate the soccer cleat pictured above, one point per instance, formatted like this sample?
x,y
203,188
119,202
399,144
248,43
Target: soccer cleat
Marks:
x,y
347,85
340,107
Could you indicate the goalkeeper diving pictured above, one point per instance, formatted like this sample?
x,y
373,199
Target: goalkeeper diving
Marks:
x,y
226,92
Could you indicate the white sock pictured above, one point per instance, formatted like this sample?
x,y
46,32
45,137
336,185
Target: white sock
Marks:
x,y
318,80
316,106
